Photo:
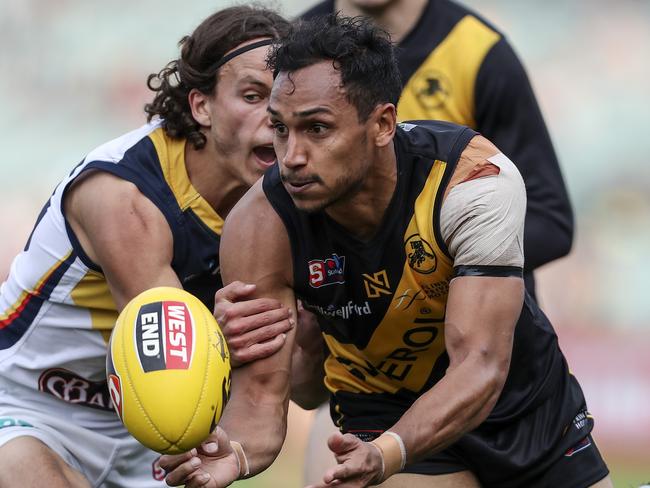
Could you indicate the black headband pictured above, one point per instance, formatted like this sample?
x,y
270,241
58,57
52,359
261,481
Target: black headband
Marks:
x,y
237,52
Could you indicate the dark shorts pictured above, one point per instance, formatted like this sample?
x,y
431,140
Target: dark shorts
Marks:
x,y
536,450
579,467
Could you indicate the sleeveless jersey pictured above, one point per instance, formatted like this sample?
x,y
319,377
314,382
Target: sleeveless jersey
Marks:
x,y
56,311
381,303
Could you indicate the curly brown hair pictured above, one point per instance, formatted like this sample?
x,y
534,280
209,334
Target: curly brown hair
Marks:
x,y
200,51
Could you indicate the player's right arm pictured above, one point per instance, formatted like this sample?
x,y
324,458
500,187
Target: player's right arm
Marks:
x,y
127,236
254,249
123,232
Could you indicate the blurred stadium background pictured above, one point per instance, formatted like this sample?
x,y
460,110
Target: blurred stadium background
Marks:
x,y
74,76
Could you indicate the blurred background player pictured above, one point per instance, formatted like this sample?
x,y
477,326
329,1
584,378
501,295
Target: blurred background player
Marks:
x,y
143,210
456,66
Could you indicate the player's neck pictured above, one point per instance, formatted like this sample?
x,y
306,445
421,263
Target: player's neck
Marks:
x,y
397,17
212,180
362,213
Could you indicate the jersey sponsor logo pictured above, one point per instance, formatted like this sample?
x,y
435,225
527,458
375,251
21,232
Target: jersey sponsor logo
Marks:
x,y
164,333
416,342
323,272
583,444
423,338
115,391
582,419
437,289
432,88
420,255
344,311
11,422
408,298
376,284
72,388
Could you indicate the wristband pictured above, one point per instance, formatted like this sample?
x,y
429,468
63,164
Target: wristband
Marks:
x,y
393,453
244,469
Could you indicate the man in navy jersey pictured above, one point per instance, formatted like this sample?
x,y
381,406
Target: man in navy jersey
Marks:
x,y
143,210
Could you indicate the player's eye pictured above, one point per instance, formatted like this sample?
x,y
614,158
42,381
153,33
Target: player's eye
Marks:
x,y
252,97
280,129
318,129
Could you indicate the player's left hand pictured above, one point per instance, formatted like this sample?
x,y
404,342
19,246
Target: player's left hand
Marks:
x,y
360,463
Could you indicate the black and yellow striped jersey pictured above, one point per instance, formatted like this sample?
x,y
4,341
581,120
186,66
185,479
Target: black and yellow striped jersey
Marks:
x,y
382,302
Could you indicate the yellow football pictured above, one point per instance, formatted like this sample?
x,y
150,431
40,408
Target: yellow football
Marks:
x,y
168,370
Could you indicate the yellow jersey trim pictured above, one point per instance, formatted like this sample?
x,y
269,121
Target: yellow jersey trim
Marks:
x,y
442,88
171,154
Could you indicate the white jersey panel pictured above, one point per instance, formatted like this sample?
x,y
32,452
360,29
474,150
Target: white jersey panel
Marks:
x,y
52,303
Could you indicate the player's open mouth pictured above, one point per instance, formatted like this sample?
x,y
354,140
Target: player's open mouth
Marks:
x,y
265,155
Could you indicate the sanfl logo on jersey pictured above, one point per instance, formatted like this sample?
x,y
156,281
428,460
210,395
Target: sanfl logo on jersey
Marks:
x,y
323,272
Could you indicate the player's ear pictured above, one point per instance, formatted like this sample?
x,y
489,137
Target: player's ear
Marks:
x,y
384,120
199,104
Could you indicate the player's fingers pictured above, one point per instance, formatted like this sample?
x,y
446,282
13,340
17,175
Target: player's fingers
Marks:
x,y
240,323
170,461
234,291
337,474
244,338
258,351
247,308
182,472
200,480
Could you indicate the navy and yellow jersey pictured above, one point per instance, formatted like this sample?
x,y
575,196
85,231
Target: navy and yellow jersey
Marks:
x,y
156,165
455,66
382,303
56,310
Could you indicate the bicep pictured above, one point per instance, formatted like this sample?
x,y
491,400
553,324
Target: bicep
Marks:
x,y
255,249
481,315
124,233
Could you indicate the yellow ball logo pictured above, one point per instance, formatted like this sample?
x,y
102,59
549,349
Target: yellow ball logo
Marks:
x,y
168,370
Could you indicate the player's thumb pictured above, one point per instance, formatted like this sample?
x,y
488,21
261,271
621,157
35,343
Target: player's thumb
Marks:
x,y
342,443
234,291
216,444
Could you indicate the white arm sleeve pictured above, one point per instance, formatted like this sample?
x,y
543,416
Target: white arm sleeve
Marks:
x,y
482,220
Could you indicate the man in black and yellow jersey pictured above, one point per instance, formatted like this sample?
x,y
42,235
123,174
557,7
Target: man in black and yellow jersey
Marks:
x,y
406,241
456,66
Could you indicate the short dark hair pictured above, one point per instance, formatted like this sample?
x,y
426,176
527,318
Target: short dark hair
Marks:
x,y
362,52
200,51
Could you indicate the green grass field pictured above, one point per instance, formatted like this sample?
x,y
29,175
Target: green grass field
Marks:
x,y
288,475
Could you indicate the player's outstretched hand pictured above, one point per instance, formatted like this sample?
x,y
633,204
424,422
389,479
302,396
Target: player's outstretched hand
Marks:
x,y
360,463
214,464
254,328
